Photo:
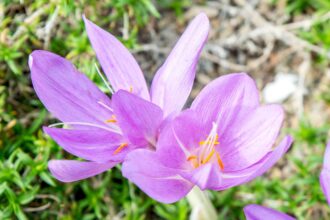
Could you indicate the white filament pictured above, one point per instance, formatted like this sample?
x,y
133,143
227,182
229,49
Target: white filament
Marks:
x,y
84,124
105,106
103,79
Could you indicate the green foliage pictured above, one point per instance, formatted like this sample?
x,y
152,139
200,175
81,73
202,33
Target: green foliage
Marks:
x,y
301,6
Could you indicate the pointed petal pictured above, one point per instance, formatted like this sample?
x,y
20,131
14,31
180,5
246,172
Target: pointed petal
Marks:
x,y
139,119
163,184
73,170
271,158
257,212
231,179
189,130
94,145
117,62
174,80
225,98
325,174
209,175
172,153
251,137
65,92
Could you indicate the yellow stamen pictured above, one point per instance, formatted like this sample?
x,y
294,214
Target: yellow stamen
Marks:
x,y
120,148
216,142
194,160
112,119
220,162
208,158
130,89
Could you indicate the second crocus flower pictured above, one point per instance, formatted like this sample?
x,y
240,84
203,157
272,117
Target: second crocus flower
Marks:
x,y
225,139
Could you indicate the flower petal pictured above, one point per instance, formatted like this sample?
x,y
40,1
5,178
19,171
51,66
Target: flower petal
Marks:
x,y
139,119
163,184
73,170
257,212
325,174
251,137
65,92
189,130
231,179
174,80
94,145
209,175
225,98
117,62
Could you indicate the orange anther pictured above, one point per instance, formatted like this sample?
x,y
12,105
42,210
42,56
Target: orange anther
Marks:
x,y
221,165
112,119
120,148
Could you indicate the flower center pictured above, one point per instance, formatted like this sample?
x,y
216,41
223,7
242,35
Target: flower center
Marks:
x,y
206,151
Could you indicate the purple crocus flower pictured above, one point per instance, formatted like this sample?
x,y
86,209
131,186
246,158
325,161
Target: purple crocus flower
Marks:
x,y
103,131
325,174
258,212
223,140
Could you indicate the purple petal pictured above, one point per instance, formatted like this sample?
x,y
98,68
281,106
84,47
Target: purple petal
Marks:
x,y
65,92
271,158
171,153
257,212
173,81
94,145
163,184
249,138
231,179
209,175
139,119
325,174
73,170
117,62
223,99
189,130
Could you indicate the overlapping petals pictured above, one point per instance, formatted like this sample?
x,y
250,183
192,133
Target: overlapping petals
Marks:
x,y
257,212
197,148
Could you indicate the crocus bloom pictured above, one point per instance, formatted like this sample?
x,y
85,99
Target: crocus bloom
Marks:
x,y
257,212
325,174
103,131
223,140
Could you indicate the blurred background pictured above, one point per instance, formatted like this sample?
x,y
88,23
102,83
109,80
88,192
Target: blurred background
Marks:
x,y
283,44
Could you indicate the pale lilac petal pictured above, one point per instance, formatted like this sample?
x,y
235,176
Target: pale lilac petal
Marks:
x,y
272,157
189,130
174,80
251,137
117,62
209,175
65,92
163,184
73,170
257,212
325,174
139,119
225,98
171,153
92,144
